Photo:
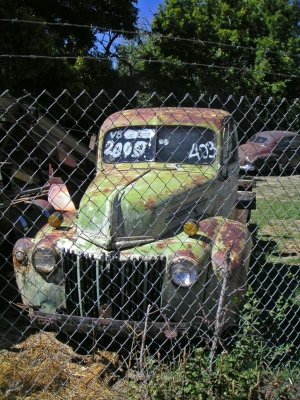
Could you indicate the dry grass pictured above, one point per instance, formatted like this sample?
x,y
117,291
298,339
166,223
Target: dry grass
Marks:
x,y
43,368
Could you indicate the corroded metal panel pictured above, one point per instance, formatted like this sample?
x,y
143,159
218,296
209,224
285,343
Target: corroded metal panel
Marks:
x,y
125,250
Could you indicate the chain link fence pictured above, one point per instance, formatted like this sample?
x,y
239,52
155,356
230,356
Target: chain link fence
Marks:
x,y
157,259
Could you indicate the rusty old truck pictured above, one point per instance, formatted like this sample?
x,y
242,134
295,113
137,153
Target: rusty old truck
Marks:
x,y
157,244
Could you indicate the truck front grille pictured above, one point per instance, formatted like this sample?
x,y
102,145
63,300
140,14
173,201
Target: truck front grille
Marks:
x,y
110,288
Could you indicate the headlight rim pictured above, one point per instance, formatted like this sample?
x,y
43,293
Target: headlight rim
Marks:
x,y
194,266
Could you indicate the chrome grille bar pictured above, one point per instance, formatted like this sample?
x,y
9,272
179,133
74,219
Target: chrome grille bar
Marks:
x,y
110,288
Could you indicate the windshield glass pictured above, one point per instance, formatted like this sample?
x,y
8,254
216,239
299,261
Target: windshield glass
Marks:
x,y
182,144
257,139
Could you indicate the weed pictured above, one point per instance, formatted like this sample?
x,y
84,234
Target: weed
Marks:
x,y
247,368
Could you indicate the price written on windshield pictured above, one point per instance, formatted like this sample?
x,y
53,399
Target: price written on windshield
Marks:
x,y
133,145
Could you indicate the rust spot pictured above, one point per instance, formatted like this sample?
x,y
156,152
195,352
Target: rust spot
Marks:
x,y
23,245
232,264
70,233
105,311
161,245
209,226
199,181
236,260
185,254
168,116
47,322
48,241
106,191
170,334
233,232
229,246
150,204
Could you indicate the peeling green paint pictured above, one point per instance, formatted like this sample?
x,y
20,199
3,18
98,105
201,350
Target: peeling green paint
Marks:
x,y
136,211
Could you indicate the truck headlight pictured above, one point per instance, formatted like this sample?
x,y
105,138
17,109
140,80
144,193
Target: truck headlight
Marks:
x,y
44,260
184,273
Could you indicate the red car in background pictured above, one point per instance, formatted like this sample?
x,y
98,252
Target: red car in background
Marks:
x,y
270,153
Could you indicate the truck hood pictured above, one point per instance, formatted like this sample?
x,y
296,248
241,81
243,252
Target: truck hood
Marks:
x,y
125,208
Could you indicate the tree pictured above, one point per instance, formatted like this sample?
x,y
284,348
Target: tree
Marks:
x,y
58,43
222,47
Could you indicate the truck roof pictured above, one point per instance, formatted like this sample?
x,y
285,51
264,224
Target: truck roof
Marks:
x,y
165,116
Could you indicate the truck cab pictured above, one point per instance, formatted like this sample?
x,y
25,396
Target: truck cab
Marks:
x,y
155,236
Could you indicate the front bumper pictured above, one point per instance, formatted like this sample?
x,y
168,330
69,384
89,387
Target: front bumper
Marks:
x,y
113,328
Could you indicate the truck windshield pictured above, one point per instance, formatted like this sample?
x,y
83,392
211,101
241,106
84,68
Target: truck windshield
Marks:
x,y
180,145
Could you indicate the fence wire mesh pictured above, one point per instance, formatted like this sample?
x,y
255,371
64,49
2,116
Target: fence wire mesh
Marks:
x,y
172,259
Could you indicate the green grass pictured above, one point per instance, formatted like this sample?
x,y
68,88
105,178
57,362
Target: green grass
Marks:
x,y
278,222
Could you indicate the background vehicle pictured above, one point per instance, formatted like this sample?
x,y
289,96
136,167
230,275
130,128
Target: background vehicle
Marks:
x,y
154,245
270,152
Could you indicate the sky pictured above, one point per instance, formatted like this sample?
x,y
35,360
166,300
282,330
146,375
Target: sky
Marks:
x,y
148,8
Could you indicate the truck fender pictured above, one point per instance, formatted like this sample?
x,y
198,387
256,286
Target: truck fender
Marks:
x,y
231,250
